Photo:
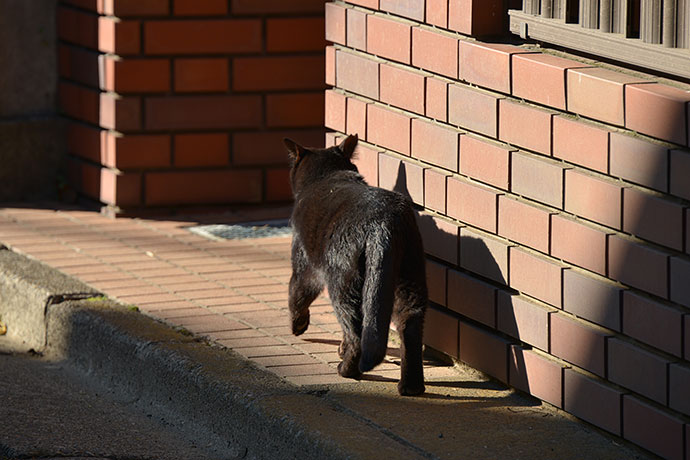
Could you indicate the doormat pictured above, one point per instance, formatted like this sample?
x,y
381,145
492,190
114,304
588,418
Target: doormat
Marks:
x,y
261,229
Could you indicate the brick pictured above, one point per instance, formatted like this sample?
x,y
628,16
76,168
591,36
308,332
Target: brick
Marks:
x,y
276,6
436,144
435,52
401,176
208,149
594,299
581,143
371,4
484,255
135,151
653,218
536,374
537,179
336,23
441,332
579,244
86,141
435,190
487,162
523,320
525,126
593,198
79,102
638,265
472,298
203,36
680,274
436,280
540,78
367,161
296,34
356,117
335,110
402,88
440,237
120,113
78,27
277,73
679,382
357,74
687,231
484,351
639,161
356,29
203,112
473,109
592,401
195,8
135,76
329,65
686,328
637,370
578,343
195,187
487,64
388,129
295,110
436,99
657,110
437,13
389,39
278,185
79,65
474,204
201,75
652,428
652,323
266,147
412,9
536,276
598,93
477,18
523,223
680,171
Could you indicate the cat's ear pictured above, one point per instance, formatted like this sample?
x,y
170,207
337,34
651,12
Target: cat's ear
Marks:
x,y
347,147
295,151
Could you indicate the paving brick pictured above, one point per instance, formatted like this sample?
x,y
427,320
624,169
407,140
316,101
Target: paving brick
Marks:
x,y
581,143
485,161
473,109
435,52
679,382
652,428
436,281
335,23
356,117
485,351
441,332
402,88
523,320
525,126
484,255
657,110
389,39
593,198
638,265
653,218
440,237
639,161
598,93
472,203
536,374
594,299
357,74
536,178
367,161
652,323
487,64
540,78
436,99
388,129
524,223
435,190
638,370
472,298
592,401
356,29
436,144
579,244
437,13
536,276
335,110
406,178
680,274
578,343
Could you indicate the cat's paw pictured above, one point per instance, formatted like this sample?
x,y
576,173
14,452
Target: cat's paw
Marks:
x,y
349,370
300,324
410,389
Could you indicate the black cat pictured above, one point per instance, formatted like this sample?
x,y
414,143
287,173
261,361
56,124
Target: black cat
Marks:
x,y
361,242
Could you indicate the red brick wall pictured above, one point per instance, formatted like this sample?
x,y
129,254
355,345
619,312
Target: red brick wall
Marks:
x,y
175,103
556,201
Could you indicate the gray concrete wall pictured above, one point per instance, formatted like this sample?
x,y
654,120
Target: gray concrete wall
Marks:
x,y
31,138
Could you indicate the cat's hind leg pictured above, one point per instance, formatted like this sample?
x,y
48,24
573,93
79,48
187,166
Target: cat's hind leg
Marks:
x,y
410,306
305,287
347,306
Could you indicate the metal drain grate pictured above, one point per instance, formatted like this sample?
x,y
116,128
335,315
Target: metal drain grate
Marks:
x,y
263,229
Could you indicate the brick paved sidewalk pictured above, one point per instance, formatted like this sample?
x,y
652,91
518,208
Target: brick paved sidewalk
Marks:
x,y
234,292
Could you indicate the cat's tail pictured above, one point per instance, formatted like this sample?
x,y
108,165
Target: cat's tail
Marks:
x,y
377,298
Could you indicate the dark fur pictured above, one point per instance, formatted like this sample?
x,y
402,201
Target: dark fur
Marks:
x,y
362,243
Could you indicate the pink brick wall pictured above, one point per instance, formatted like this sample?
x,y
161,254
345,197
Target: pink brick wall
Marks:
x,y
556,206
